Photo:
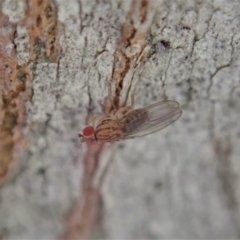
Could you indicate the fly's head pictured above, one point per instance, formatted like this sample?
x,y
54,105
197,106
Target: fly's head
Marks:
x,y
88,135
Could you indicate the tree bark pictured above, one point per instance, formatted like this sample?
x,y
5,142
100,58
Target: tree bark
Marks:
x,y
62,61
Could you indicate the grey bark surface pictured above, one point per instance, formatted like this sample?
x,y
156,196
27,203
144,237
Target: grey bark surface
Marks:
x,y
182,182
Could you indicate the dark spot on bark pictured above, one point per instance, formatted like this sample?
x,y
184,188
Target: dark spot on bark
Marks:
x,y
39,21
166,44
41,171
144,3
39,2
121,146
158,185
121,85
186,28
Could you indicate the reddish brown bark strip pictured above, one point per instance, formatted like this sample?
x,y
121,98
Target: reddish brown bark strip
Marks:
x,y
83,216
43,14
15,82
131,45
82,219
14,79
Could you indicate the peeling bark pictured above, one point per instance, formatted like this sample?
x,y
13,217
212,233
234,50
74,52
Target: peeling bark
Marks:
x,y
62,61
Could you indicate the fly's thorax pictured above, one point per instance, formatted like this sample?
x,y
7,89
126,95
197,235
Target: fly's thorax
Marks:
x,y
134,120
108,131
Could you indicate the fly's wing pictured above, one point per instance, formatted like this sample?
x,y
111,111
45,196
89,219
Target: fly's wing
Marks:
x,y
159,116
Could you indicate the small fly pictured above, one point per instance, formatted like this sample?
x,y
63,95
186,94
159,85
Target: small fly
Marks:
x,y
127,123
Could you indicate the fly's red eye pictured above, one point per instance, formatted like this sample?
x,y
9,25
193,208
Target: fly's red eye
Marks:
x,y
88,131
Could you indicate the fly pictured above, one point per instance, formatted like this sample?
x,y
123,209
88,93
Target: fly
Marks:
x,y
127,123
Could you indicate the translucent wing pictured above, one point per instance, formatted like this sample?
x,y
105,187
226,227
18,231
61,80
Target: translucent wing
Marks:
x,y
153,118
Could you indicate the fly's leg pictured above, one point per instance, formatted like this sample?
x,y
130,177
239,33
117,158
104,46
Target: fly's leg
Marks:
x,y
109,104
137,64
132,96
127,95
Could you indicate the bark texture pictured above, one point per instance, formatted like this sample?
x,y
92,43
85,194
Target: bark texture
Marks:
x,y
60,60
